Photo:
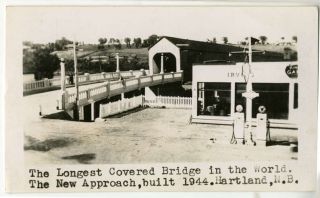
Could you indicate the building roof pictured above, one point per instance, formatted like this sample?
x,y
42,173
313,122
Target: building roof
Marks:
x,y
186,44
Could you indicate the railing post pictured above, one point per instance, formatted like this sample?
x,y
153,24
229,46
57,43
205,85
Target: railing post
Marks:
x,y
103,75
139,83
88,94
162,78
151,77
67,80
108,89
118,65
143,72
119,104
124,84
46,82
87,75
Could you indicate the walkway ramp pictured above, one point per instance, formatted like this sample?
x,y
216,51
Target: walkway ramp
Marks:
x,y
113,88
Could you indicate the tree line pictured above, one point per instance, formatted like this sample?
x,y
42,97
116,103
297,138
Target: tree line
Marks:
x,y
128,42
40,60
262,40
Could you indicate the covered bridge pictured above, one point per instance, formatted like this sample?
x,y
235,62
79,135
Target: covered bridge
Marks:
x,y
172,54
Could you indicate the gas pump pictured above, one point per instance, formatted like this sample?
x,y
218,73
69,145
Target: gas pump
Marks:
x,y
238,126
262,132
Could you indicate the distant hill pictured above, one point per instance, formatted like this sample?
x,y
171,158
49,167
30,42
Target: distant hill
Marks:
x,y
86,52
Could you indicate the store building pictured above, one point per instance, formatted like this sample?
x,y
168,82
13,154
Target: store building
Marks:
x,y
217,90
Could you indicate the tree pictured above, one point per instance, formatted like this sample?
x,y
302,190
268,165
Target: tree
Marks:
x,y
118,44
263,39
51,47
214,40
27,43
111,40
102,41
152,40
61,43
295,39
28,57
137,42
41,62
225,39
127,40
145,43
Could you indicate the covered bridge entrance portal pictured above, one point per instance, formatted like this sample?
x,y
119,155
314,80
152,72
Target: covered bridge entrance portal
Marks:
x,y
164,57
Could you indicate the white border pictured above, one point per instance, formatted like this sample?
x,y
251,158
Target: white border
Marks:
x,y
3,4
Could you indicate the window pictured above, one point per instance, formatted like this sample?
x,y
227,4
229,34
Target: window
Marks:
x,y
295,98
274,96
214,99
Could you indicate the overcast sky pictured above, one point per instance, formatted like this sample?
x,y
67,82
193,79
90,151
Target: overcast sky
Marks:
x,y
40,24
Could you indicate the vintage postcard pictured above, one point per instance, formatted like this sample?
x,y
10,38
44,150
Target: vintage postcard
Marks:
x,y
161,98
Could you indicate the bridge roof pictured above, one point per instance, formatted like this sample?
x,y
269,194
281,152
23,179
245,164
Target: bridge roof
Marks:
x,y
271,53
186,44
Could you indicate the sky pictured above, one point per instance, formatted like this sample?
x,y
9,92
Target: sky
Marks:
x,y
88,24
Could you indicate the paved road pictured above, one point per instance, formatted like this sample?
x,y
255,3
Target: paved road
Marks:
x,y
47,101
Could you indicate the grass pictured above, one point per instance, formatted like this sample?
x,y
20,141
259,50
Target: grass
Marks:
x,y
93,51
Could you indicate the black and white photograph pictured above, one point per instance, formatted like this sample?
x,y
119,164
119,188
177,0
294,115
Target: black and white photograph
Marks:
x,y
161,96
162,85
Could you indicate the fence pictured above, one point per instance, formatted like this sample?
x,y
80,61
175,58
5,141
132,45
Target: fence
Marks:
x,y
40,84
119,106
169,102
126,104
36,85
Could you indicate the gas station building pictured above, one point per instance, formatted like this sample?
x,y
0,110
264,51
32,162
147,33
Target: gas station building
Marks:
x,y
217,90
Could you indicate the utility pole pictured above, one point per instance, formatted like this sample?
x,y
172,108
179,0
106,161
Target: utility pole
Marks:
x,y
161,65
63,83
249,94
76,109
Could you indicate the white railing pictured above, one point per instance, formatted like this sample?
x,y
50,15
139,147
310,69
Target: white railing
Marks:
x,y
126,104
119,106
55,81
41,84
169,102
113,88
35,85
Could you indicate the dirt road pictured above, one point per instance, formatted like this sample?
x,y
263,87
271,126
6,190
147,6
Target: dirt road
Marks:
x,y
146,136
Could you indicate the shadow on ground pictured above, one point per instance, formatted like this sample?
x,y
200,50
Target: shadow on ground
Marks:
x,y
82,158
293,144
120,115
58,116
46,145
